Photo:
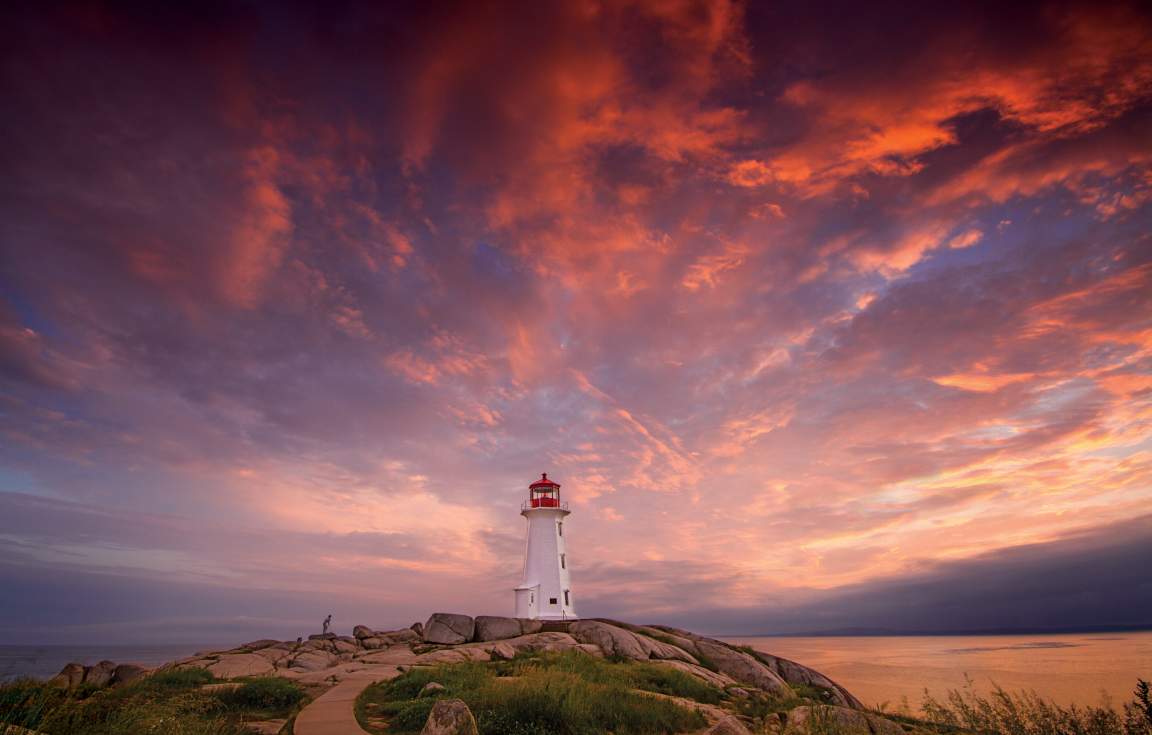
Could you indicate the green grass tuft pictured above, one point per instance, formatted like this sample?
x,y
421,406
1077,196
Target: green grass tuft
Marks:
x,y
565,693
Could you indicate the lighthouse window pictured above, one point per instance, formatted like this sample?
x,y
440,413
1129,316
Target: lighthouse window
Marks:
x,y
566,600
562,562
551,600
560,528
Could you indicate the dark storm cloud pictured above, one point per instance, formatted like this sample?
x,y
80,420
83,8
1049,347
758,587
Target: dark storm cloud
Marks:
x,y
1095,579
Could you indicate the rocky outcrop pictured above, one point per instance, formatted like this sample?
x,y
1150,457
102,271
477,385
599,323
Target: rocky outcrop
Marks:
x,y
795,673
613,641
660,650
491,628
105,673
449,628
450,717
502,652
728,726
126,673
741,666
313,660
840,720
363,631
100,675
241,664
72,675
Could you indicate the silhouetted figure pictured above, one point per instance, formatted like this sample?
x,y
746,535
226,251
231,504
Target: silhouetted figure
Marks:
x,y
327,622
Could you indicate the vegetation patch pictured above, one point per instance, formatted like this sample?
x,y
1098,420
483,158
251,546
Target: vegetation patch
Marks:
x,y
170,701
564,693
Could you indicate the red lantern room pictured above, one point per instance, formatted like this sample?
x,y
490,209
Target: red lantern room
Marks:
x,y
544,493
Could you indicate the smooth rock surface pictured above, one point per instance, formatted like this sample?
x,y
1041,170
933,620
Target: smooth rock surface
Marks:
x,y
363,631
492,628
241,664
450,717
127,673
741,667
71,675
841,720
612,641
728,726
449,628
100,674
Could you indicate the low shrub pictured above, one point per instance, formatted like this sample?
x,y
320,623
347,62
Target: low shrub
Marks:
x,y
263,693
177,679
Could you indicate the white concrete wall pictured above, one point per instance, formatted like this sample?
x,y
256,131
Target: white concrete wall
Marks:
x,y
543,573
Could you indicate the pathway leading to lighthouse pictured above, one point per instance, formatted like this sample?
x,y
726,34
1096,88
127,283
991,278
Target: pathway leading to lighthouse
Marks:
x,y
334,711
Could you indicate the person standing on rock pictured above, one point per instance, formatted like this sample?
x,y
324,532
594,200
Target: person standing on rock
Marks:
x,y
327,622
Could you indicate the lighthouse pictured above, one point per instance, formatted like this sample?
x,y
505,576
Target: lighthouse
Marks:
x,y
545,592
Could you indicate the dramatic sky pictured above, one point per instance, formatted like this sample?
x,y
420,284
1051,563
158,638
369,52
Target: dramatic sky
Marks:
x,y
824,315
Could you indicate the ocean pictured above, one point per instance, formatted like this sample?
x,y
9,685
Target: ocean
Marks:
x,y
890,670
1081,668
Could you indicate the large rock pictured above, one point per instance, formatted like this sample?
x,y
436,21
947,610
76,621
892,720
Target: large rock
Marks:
x,y
363,631
686,644
612,641
450,717
396,637
72,675
260,644
100,674
314,661
241,664
728,726
449,628
502,652
661,650
491,628
342,646
373,644
529,626
795,673
841,720
741,667
127,673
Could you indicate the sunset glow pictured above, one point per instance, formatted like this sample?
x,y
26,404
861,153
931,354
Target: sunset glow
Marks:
x,y
294,304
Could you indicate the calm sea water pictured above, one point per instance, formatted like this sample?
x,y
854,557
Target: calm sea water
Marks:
x,y
1077,668
1068,669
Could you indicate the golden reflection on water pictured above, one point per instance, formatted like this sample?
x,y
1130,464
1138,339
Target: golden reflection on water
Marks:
x,y
1080,668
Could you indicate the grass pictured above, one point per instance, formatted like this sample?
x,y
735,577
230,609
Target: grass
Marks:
x,y
1026,713
565,693
170,702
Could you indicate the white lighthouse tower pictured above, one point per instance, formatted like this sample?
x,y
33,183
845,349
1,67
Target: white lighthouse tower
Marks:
x,y
545,593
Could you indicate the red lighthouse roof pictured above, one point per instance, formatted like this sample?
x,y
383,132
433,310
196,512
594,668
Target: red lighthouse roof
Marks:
x,y
543,483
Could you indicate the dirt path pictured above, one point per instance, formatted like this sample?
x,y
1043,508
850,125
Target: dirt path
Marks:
x,y
333,712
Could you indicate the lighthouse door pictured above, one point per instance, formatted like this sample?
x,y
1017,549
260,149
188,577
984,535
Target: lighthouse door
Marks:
x,y
527,601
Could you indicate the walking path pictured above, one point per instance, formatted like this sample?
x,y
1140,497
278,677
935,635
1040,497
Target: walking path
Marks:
x,y
333,712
